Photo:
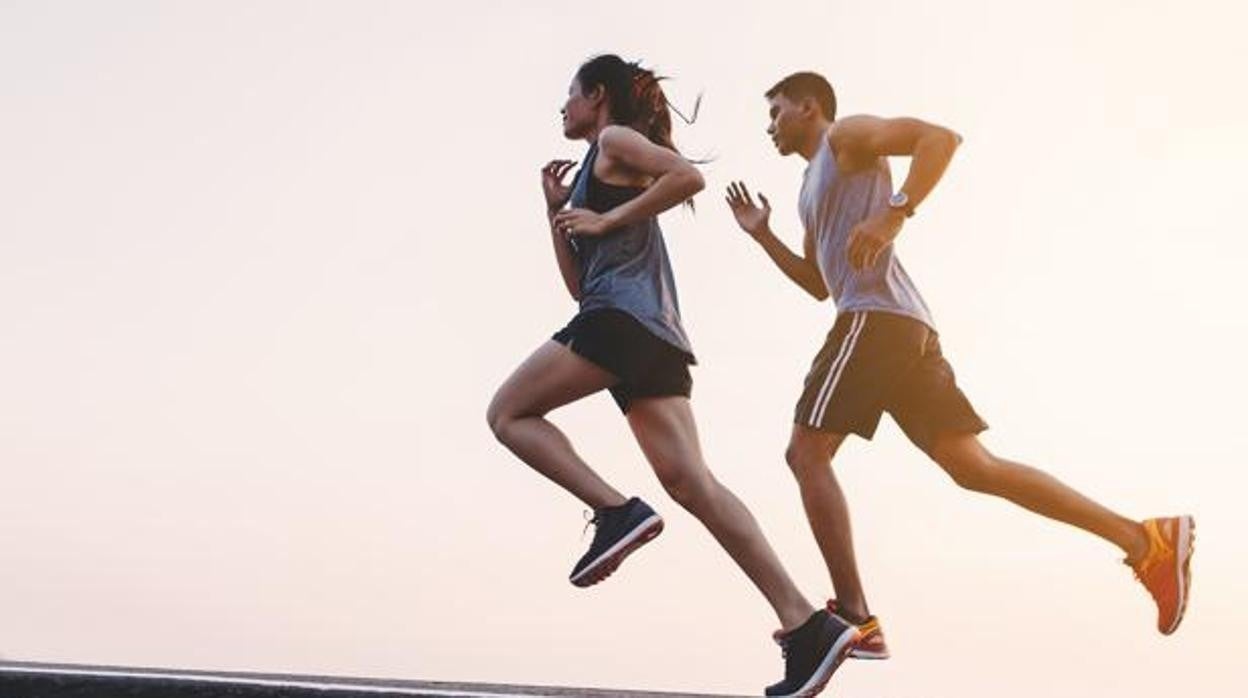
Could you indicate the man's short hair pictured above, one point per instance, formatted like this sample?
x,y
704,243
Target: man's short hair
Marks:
x,y
805,84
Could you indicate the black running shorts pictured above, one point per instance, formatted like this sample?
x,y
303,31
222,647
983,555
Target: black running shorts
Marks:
x,y
876,362
646,365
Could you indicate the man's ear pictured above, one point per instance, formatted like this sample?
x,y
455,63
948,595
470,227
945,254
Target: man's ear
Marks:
x,y
809,107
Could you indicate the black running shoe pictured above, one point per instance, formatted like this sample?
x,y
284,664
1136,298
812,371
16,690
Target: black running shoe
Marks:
x,y
812,653
621,530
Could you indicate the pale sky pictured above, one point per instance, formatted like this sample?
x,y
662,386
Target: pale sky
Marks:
x,y
262,266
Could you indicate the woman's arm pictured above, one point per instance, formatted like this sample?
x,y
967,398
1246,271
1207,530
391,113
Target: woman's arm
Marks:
x,y
556,194
621,148
565,256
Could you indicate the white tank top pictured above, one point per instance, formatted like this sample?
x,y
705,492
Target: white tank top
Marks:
x,y
830,205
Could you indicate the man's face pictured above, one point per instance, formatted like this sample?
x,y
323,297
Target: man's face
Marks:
x,y
789,121
579,112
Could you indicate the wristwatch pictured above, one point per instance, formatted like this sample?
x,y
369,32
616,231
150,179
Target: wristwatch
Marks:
x,y
901,202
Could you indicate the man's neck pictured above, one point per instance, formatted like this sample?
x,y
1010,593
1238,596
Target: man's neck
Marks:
x,y
810,144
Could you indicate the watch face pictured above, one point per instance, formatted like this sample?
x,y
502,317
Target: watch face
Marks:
x,y
898,200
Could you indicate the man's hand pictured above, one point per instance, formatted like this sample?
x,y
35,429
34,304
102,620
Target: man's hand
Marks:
x,y
868,239
580,221
553,188
751,218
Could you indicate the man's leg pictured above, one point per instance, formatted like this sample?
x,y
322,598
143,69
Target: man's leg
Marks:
x,y
667,433
809,456
935,414
1158,550
973,467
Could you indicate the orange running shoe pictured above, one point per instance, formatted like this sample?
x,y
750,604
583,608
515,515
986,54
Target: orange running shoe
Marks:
x,y
1166,569
870,643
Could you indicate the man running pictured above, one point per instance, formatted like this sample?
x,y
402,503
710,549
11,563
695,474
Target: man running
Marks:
x,y
883,353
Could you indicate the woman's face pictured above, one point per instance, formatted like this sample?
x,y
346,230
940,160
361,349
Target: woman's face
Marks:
x,y
580,112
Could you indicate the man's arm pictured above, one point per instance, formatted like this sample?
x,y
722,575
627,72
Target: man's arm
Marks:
x,y
859,140
803,271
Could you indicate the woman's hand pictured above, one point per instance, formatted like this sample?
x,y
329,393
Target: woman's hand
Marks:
x,y
553,188
580,221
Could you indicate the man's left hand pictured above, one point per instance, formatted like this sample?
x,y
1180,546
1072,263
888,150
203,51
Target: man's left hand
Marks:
x,y
868,239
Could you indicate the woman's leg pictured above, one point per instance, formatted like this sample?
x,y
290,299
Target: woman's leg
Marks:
x,y
667,433
551,377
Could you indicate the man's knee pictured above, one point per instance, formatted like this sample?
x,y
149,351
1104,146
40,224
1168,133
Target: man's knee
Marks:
x,y
796,457
810,453
972,469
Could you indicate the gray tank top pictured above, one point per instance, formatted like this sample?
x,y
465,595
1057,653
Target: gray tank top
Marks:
x,y
627,268
830,205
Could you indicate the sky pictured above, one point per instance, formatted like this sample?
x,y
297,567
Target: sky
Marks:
x,y
263,264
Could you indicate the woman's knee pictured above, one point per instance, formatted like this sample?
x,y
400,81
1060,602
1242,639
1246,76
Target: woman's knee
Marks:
x,y
689,484
501,413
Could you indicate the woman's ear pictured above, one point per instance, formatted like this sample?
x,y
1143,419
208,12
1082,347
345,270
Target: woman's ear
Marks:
x,y
597,95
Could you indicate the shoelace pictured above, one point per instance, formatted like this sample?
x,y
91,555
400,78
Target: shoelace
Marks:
x,y
592,518
1146,566
1157,547
1140,570
784,641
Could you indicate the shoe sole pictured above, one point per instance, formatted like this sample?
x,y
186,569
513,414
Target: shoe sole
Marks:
x,y
608,562
1183,567
834,658
858,650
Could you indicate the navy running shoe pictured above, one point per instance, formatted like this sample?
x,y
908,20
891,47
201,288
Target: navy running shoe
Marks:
x,y
812,654
621,530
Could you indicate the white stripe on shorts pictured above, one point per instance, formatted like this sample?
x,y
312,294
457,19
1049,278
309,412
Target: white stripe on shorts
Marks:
x,y
838,366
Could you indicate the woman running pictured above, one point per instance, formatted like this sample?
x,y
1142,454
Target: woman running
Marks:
x,y
627,338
